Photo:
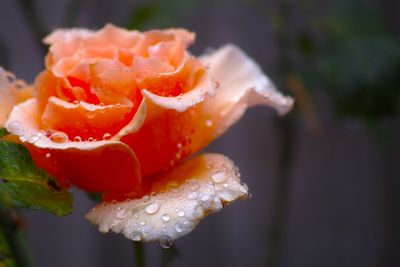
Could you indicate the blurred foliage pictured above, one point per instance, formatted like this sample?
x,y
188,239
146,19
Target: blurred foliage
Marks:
x,y
159,13
3,132
26,186
358,61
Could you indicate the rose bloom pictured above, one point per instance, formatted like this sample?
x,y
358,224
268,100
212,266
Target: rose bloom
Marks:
x,y
121,113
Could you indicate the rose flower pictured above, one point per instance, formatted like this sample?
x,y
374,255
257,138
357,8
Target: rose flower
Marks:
x,y
121,113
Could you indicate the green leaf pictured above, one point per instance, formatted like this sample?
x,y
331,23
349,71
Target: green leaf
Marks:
x,y
26,186
142,15
3,132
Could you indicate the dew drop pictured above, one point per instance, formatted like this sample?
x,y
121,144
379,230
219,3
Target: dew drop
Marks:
x,y
91,114
121,214
76,102
178,227
181,213
77,139
136,236
204,198
48,155
23,138
195,187
152,208
193,196
142,223
216,84
166,242
226,185
14,127
166,218
107,136
34,138
59,137
90,139
209,123
219,177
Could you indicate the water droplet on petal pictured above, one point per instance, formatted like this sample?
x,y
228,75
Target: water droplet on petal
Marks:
x,y
107,136
209,123
59,137
181,213
77,139
195,187
90,139
142,223
136,236
34,138
166,218
121,214
178,227
219,177
91,114
204,198
14,127
152,208
192,196
48,155
166,242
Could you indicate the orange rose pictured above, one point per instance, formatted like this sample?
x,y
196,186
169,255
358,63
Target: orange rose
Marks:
x,y
117,111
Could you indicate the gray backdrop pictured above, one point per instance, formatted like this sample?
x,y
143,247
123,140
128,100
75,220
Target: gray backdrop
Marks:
x,y
342,208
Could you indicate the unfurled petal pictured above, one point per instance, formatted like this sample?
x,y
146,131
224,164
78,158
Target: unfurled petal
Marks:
x,y
176,201
88,165
177,127
11,93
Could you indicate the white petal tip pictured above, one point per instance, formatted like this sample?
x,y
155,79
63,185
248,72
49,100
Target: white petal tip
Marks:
x,y
166,216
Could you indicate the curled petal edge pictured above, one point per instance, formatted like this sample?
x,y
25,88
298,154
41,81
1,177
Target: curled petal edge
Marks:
x,y
10,95
178,201
203,89
76,160
239,75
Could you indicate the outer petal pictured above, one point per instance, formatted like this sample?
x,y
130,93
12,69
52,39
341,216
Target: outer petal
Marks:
x,y
11,93
88,165
179,200
177,127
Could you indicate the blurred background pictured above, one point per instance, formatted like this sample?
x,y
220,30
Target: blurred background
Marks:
x,y
325,179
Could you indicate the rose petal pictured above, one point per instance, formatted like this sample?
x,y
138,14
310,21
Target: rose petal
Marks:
x,y
199,187
83,119
88,165
177,127
10,95
202,88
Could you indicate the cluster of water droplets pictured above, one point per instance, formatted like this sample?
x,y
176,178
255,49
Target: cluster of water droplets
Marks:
x,y
32,136
175,212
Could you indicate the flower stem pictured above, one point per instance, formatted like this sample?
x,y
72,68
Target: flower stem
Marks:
x,y
13,247
140,258
169,255
281,190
